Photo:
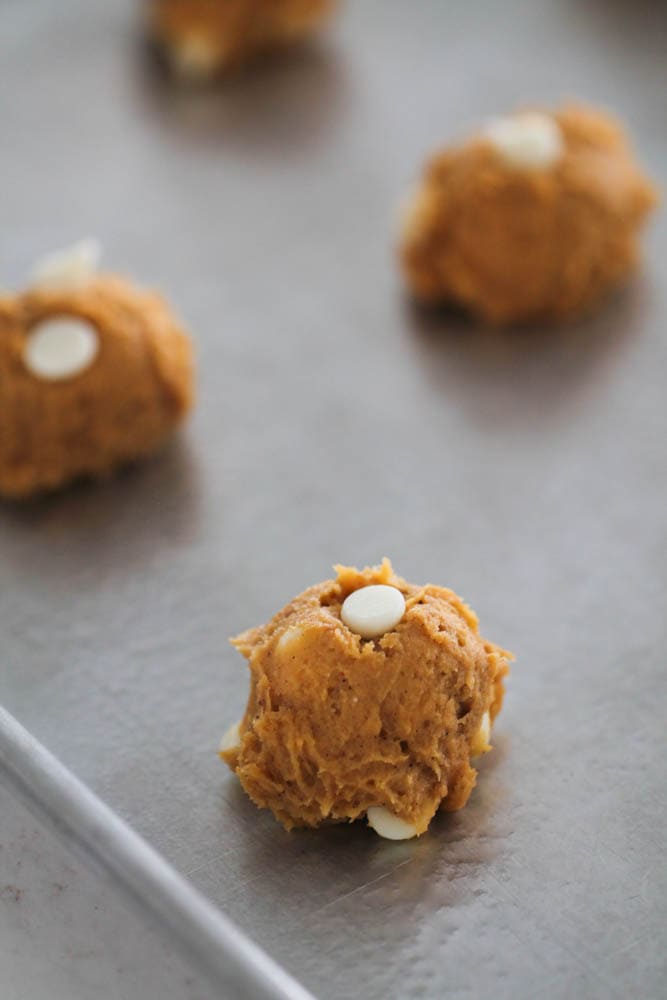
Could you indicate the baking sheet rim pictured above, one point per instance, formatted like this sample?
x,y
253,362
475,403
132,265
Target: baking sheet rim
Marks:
x,y
218,948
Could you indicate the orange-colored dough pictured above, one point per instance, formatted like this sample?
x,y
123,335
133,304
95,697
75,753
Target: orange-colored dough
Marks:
x,y
205,37
336,724
138,387
513,245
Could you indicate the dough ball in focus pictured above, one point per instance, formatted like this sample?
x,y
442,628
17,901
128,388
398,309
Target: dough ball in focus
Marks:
x,y
345,720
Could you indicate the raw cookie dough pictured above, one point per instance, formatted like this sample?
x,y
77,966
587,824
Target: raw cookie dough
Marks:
x,y
535,218
94,373
202,38
338,727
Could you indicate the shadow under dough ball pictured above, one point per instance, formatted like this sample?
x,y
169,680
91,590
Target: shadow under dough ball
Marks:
x,y
368,696
202,39
536,217
94,373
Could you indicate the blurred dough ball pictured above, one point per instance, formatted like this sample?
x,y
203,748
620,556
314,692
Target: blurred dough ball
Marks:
x,y
203,38
94,373
536,217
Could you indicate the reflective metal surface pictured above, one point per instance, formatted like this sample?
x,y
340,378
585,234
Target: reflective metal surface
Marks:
x,y
334,423
227,958
64,931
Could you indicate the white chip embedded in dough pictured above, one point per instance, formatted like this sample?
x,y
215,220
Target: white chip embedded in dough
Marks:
x,y
231,739
194,58
480,741
72,267
412,211
60,348
290,637
389,826
531,140
371,611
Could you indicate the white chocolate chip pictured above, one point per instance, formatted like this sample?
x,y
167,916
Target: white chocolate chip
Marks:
x,y
289,637
531,140
480,741
413,211
389,826
60,348
372,611
70,268
194,58
232,738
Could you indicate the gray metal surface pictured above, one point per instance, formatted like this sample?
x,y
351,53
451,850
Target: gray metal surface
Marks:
x,y
526,471
230,961
66,933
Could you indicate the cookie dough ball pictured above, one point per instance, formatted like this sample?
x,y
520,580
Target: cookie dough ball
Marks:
x,y
94,373
535,218
203,38
369,696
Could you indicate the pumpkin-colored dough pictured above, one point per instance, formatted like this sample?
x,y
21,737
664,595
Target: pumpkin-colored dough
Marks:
x,y
515,245
203,37
123,406
336,724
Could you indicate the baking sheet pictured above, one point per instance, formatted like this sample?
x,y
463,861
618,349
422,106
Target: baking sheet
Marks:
x,y
66,933
336,424
223,956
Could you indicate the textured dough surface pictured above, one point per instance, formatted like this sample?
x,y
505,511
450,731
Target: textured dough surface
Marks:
x,y
233,31
336,724
515,245
122,407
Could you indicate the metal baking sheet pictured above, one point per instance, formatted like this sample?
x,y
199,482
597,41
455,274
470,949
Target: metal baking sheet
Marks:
x,y
223,956
334,423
